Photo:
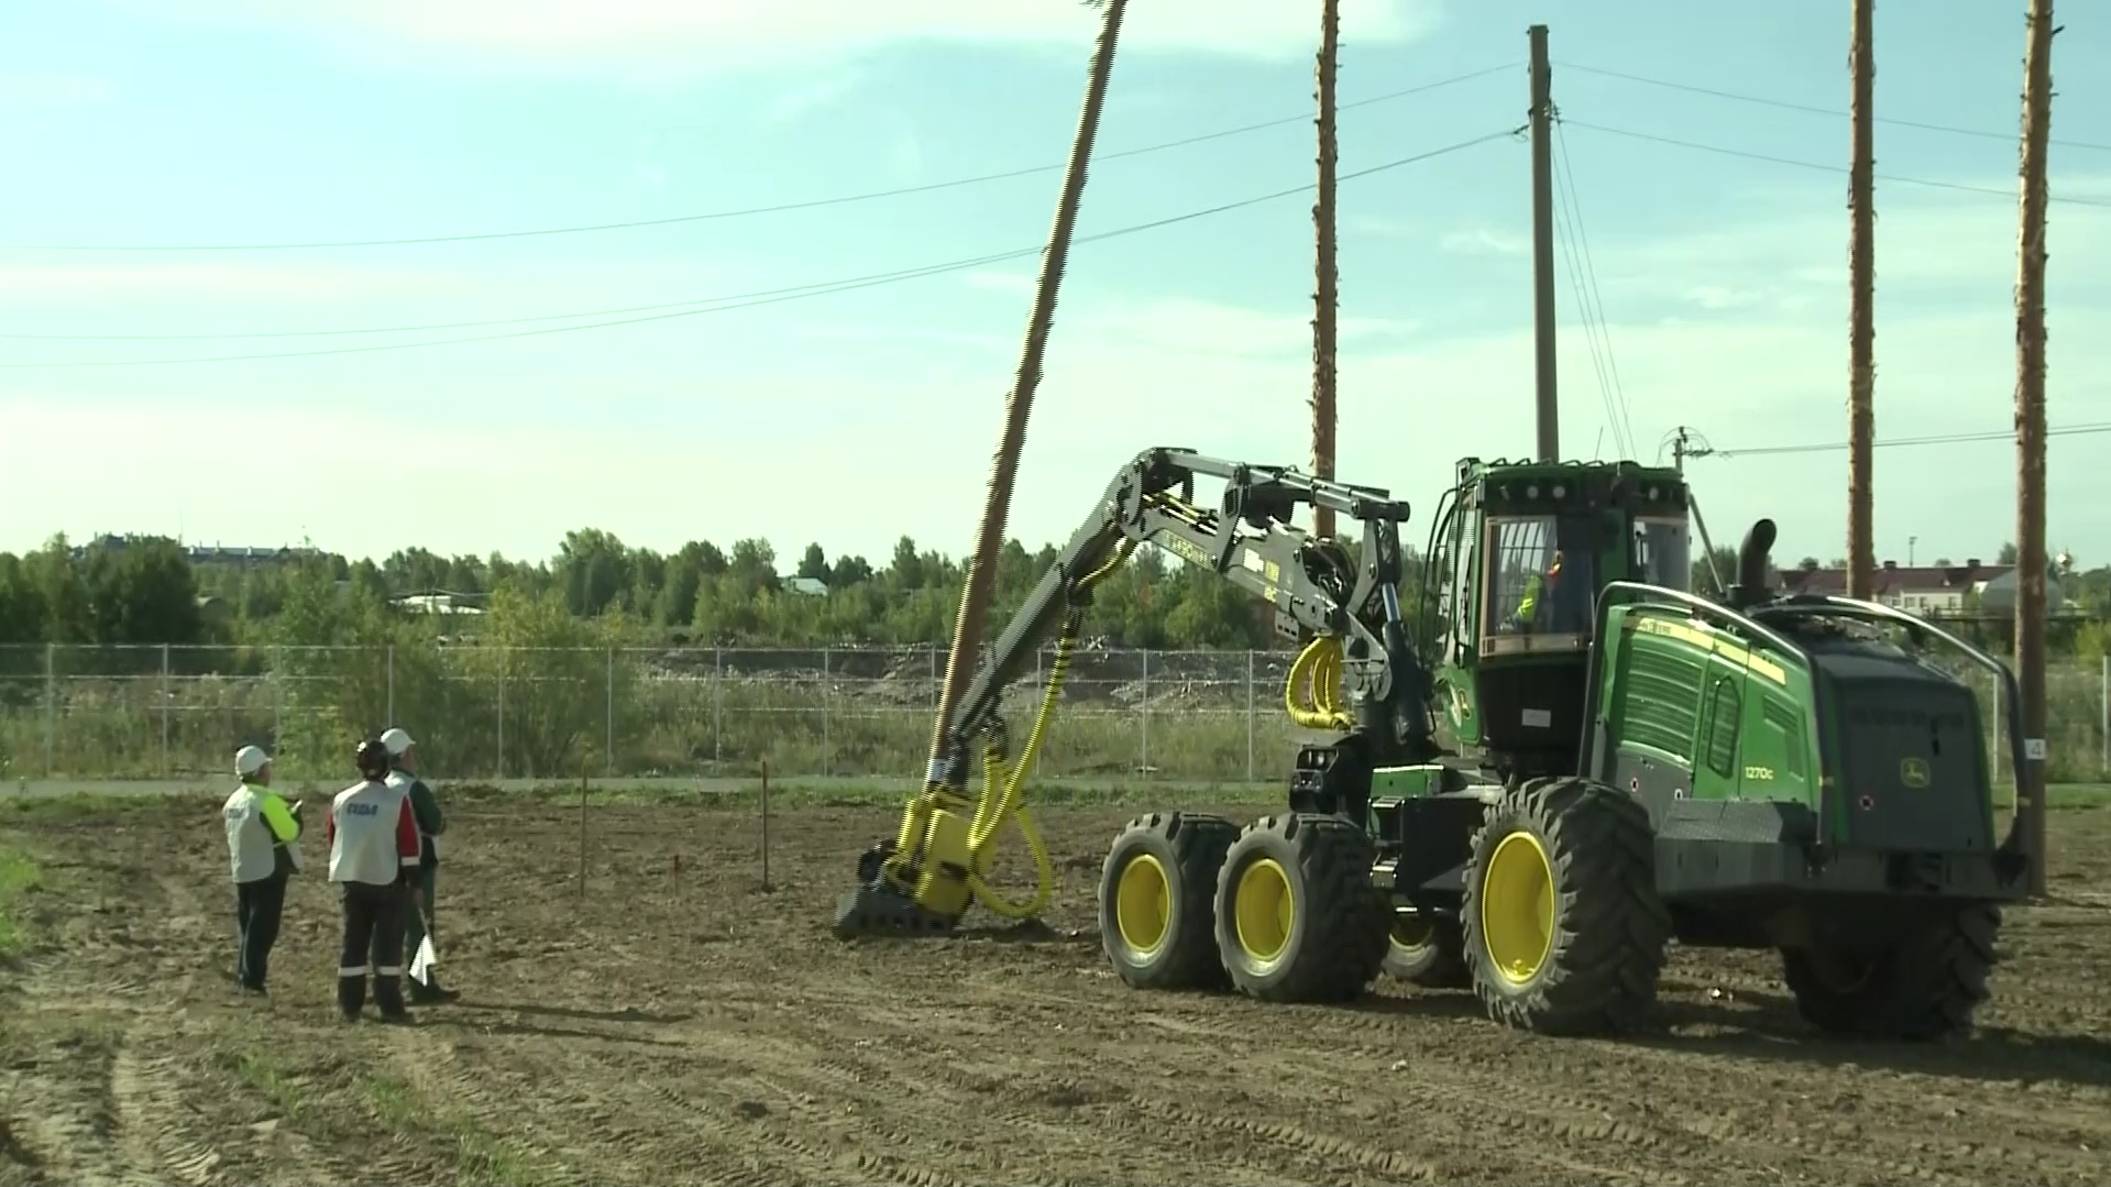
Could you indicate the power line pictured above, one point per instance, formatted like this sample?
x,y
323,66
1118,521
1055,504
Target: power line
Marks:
x,y
799,292
1813,109
1590,273
1755,156
1574,269
1938,439
777,208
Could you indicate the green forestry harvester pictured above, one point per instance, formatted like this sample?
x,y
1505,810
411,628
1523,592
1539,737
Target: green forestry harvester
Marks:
x,y
1626,763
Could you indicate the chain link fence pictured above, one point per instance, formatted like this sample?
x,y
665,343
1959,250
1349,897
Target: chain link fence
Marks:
x,y
179,712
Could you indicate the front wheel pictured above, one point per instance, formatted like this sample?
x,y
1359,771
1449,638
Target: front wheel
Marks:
x,y
1297,917
1564,931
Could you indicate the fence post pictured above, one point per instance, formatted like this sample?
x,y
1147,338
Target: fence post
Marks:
x,y
1993,727
390,708
1146,770
505,661
1249,715
278,698
828,766
611,690
164,710
51,709
2103,700
718,708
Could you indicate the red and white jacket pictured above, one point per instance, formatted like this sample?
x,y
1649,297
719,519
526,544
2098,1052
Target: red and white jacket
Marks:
x,y
372,834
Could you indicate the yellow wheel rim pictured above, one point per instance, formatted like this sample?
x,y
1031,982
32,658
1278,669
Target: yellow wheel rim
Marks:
x,y
1143,904
1262,909
1517,907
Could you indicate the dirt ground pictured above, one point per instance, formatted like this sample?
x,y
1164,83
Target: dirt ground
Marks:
x,y
675,1023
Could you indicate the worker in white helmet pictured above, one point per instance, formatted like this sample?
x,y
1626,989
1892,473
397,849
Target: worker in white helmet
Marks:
x,y
263,850
425,808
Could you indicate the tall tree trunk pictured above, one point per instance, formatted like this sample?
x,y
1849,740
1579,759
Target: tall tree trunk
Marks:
x,y
2030,435
1325,295
989,539
1861,386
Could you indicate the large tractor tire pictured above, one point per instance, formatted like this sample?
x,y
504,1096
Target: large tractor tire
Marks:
x,y
1297,917
1426,951
1564,931
1155,891
1924,986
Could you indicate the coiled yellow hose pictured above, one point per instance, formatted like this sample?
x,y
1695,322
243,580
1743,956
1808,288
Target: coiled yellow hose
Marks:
x,y
1316,673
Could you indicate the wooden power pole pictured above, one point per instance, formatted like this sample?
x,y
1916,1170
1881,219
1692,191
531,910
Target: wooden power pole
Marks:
x,y
1543,246
2030,437
989,538
1325,294
1861,315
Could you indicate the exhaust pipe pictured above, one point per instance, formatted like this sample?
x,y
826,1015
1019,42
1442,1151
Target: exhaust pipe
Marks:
x,y
1751,565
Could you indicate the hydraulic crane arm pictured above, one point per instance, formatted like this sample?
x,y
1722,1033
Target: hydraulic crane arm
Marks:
x,y
922,880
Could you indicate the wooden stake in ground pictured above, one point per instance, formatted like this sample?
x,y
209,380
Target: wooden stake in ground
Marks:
x,y
1325,295
2030,436
1861,315
989,539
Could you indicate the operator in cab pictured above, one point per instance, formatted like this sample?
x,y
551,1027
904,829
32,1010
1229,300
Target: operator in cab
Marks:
x,y
374,862
263,851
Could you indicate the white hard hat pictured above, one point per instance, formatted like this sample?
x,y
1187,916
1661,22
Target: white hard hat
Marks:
x,y
250,759
397,742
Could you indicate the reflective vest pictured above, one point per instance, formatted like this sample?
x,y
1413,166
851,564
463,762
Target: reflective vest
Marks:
x,y
258,825
372,836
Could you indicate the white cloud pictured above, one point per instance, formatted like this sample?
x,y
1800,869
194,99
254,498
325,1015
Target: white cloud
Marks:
x,y
39,89
1485,241
819,95
714,32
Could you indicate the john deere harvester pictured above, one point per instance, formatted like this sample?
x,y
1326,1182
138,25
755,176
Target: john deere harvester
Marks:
x,y
1619,763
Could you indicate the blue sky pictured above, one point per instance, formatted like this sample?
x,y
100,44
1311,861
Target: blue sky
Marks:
x,y
854,417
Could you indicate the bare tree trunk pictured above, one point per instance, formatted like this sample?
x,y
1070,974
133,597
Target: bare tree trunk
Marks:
x,y
989,539
2030,436
1326,295
1861,386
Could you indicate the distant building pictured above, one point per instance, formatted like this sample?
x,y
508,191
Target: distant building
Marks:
x,y
204,554
812,587
439,603
1932,591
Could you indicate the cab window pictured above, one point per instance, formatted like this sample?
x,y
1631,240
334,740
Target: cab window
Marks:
x,y
1542,575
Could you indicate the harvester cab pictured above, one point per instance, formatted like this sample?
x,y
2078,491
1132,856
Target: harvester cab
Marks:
x,y
1518,552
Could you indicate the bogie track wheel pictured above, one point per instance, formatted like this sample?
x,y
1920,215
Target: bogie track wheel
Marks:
x,y
1426,950
1155,894
1564,933
1297,916
1923,985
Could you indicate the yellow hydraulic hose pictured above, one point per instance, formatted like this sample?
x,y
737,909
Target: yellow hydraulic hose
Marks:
x,y
1317,672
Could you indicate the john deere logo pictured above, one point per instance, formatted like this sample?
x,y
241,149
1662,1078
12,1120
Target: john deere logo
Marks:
x,y
1913,772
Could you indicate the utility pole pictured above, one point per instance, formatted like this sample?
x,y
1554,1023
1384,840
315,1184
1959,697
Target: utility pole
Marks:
x,y
1543,246
2030,437
1861,379
1326,293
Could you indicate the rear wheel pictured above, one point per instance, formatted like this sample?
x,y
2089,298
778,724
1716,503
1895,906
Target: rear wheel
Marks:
x,y
1426,950
1155,893
1564,933
1297,916
1925,984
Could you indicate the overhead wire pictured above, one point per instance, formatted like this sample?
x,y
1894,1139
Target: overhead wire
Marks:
x,y
744,212
800,292
1590,272
1584,276
1758,156
1574,268
1814,109
1933,439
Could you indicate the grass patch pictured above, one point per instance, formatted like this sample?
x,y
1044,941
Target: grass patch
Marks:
x,y
481,1157
19,877
269,1077
78,806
